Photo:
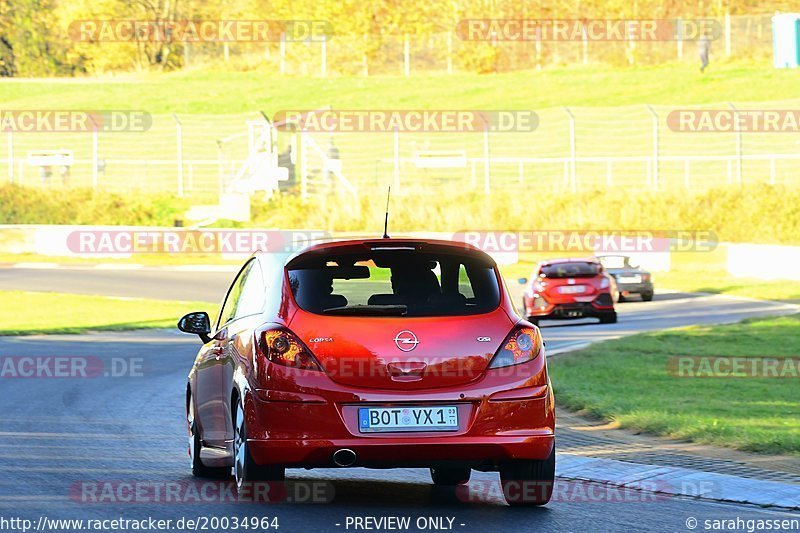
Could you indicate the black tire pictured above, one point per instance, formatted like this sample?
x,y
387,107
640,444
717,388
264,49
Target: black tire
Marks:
x,y
245,470
528,482
450,476
647,296
198,468
608,317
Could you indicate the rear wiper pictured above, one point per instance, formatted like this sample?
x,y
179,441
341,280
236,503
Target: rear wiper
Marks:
x,y
377,310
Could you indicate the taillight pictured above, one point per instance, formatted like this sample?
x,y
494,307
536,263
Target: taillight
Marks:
x,y
521,346
282,347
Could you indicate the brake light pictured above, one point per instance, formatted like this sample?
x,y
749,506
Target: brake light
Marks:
x,y
282,347
522,345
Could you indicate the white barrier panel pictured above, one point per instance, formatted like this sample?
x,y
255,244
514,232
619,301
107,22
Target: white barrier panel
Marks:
x,y
764,261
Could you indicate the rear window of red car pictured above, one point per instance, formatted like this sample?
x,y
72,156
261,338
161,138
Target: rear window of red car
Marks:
x,y
571,270
395,283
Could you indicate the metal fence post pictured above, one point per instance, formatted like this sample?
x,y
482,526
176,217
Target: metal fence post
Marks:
x,y
727,34
283,53
487,188
364,63
95,152
324,55
179,141
406,58
738,146
449,52
396,159
573,180
584,45
10,155
655,182
301,162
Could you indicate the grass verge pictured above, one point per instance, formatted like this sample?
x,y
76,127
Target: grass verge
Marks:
x,y
218,91
29,313
628,381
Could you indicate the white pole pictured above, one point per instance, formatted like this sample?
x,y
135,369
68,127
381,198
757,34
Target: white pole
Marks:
x,y
449,52
738,147
364,65
486,170
324,54
95,157
655,184
396,160
727,34
406,59
585,45
10,155
179,141
572,170
283,53
680,39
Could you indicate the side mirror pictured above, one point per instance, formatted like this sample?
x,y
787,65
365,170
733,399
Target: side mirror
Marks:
x,y
522,281
197,323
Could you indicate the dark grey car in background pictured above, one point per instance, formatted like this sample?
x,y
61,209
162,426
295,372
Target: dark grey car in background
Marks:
x,y
631,279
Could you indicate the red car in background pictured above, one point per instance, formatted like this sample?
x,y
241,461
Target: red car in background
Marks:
x,y
372,353
569,288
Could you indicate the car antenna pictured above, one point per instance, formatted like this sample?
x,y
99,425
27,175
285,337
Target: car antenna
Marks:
x,y
386,219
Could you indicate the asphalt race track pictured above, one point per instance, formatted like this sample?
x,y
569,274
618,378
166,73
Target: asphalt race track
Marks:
x,y
64,441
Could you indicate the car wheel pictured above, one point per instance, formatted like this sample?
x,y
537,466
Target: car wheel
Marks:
x,y
620,297
450,475
195,444
245,469
528,482
647,297
609,317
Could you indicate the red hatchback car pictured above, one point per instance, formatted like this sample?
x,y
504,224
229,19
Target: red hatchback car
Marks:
x,y
570,288
372,353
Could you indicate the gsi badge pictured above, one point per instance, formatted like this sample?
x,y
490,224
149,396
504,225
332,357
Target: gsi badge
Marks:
x,y
484,339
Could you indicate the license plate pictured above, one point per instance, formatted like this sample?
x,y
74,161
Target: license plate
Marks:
x,y
630,279
572,289
375,419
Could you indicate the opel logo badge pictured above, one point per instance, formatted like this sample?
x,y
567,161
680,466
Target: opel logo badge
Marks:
x,y
406,340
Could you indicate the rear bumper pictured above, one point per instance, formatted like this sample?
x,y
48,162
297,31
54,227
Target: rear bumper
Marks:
x,y
507,414
542,308
404,452
635,288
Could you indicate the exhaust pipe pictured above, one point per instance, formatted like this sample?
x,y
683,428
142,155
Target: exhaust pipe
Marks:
x,y
344,457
